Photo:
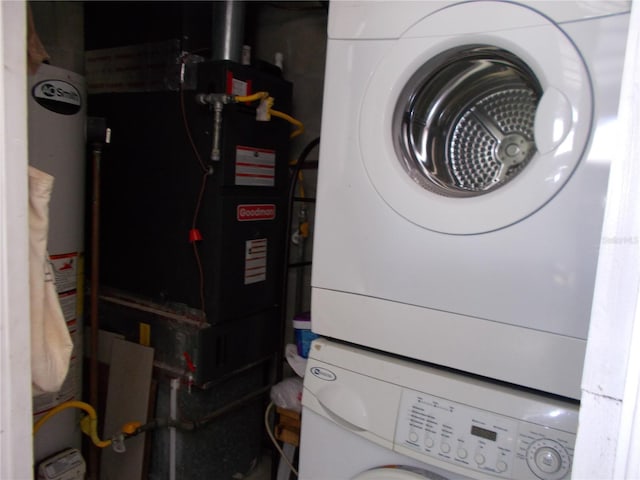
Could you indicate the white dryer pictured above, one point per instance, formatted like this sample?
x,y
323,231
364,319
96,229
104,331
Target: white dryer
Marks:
x,y
371,417
463,171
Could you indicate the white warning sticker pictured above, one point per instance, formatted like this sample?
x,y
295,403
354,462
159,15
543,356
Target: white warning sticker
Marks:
x,y
69,305
255,261
71,388
255,166
68,270
238,87
65,268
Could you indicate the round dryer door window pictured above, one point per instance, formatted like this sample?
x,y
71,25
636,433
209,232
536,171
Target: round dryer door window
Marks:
x,y
464,124
476,117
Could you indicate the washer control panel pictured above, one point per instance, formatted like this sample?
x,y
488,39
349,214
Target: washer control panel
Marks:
x,y
481,440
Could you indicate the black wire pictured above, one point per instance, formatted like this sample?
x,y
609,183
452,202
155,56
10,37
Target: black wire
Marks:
x,y
285,282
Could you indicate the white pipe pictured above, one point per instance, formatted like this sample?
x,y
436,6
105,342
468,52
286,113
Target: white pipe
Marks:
x,y
173,414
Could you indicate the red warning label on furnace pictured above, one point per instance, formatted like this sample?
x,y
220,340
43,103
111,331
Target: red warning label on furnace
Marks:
x,y
254,212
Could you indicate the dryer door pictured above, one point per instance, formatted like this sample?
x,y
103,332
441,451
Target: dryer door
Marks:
x,y
476,117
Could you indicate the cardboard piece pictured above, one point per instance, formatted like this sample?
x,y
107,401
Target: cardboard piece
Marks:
x,y
127,401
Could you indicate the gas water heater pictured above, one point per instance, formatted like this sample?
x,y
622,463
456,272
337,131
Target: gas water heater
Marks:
x,y
57,118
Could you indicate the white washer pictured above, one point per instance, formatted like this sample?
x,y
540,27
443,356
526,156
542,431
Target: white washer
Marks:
x,y
398,472
362,411
463,170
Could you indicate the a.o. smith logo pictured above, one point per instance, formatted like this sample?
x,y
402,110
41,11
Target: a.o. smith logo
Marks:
x,y
57,96
255,212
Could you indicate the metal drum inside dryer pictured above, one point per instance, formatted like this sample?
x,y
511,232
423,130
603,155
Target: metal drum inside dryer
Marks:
x,y
464,124
464,164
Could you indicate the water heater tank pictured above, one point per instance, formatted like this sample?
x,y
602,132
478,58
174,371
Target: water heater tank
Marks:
x,y
57,114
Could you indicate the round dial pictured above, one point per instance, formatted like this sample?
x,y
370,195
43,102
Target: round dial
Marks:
x,y
548,460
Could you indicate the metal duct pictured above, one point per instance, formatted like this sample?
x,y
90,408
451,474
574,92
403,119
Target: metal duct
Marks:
x,y
228,30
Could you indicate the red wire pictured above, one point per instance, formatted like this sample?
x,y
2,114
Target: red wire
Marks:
x,y
195,243
203,185
188,130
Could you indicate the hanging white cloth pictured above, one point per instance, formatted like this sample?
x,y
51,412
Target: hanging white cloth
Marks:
x,y
51,343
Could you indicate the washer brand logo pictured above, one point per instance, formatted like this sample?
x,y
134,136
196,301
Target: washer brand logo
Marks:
x,y
58,96
252,213
323,374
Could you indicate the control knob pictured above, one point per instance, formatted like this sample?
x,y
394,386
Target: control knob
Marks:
x,y
548,460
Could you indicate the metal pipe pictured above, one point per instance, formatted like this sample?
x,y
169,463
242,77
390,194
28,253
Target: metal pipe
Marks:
x,y
173,415
190,425
228,30
97,135
95,274
217,127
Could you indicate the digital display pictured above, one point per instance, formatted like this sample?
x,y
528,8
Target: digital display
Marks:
x,y
484,433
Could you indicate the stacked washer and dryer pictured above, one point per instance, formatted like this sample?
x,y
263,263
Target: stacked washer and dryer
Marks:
x,y
464,165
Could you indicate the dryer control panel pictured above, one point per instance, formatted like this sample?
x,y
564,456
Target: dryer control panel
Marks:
x,y
480,440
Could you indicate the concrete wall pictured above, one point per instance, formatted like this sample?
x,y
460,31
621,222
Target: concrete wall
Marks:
x,y
298,30
300,35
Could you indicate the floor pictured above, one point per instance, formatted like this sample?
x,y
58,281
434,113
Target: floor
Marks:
x,y
262,470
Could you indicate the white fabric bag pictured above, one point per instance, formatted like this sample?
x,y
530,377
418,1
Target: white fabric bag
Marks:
x,y
51,343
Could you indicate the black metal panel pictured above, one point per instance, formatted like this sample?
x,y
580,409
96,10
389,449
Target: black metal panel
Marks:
x,y
113,24
181,337
239,120
151,178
